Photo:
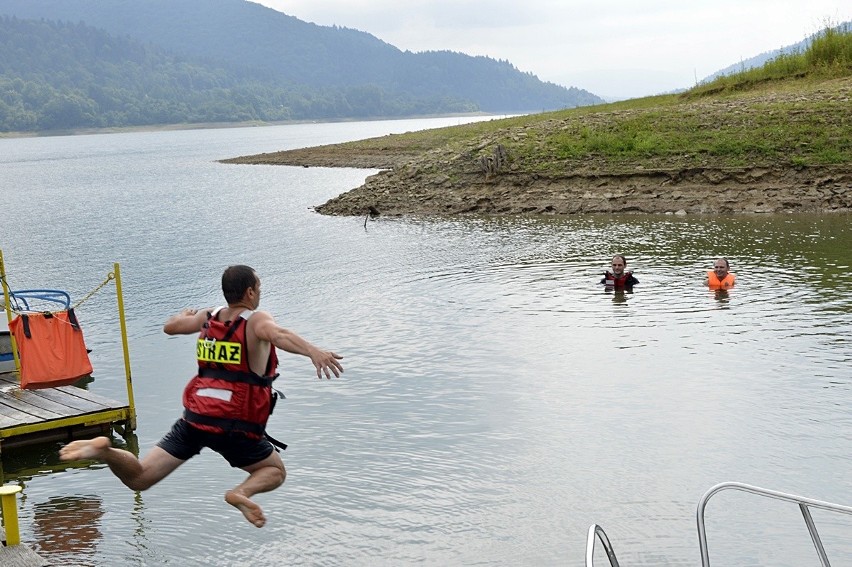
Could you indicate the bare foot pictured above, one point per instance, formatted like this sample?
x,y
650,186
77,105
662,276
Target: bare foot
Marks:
x,y
250,510
85,449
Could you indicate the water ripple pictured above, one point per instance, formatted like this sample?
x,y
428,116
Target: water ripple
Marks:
x,y
496,400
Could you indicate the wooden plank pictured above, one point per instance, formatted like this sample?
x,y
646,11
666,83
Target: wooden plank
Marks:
x,y
35,416
9,416
85,394
37,401
82,405
14,419
32,409
69,396
20,556
10,382
9,435
50,399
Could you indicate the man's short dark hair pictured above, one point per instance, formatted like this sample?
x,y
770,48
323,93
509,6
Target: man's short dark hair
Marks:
x,y
236,280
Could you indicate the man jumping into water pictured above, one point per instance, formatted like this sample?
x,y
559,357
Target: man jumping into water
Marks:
x,y
227,403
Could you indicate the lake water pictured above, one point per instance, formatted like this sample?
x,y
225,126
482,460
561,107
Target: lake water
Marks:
x,y
496,401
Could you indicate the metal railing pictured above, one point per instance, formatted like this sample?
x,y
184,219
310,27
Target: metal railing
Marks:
x,y
21,298
597,531
804,505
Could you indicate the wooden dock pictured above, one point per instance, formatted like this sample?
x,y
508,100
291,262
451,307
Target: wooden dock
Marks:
x,y
29,417
19,555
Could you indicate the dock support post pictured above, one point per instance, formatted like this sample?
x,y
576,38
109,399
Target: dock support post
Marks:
x,y
129,380
7,305
9,505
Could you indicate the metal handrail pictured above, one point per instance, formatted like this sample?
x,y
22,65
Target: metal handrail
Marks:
x,y
596,530
49,295
804,504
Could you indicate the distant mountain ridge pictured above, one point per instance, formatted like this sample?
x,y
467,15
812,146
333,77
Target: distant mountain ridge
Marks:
x,y
249,42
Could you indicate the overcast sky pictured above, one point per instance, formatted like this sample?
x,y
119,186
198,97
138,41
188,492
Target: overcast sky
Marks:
x,y
615,48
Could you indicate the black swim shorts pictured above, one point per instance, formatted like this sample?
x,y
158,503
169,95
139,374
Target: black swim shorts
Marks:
x,y
184,441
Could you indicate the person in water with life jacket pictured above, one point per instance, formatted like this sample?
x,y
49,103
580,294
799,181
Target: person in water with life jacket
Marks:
x,y
720,277
618,278
227,404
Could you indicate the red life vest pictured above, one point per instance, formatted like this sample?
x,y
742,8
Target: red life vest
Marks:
x,y
625,280
714,282
226,395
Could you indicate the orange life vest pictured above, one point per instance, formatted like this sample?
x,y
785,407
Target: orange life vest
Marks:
x,y
51,348
714,282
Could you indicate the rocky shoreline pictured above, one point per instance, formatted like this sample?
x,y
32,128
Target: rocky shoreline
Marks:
x,y
461,177
413,186
405,191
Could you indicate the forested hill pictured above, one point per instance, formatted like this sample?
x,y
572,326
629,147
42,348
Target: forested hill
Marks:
x,y
132,62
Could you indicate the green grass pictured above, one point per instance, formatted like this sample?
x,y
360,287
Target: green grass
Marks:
x,y
828,56
754,116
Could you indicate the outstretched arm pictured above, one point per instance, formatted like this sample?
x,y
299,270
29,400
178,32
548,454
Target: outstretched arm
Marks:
x,y
186,322
325,361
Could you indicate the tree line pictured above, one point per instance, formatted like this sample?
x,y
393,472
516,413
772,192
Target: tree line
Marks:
x,y
60,75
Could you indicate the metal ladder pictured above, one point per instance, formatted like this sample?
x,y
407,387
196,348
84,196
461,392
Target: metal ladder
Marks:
x,y
597,532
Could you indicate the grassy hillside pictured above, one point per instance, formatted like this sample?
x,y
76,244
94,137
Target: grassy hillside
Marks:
x,y
791,123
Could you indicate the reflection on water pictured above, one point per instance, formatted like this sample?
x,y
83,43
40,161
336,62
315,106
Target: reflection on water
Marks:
x,y
619,295
495,402
722,297
68,525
